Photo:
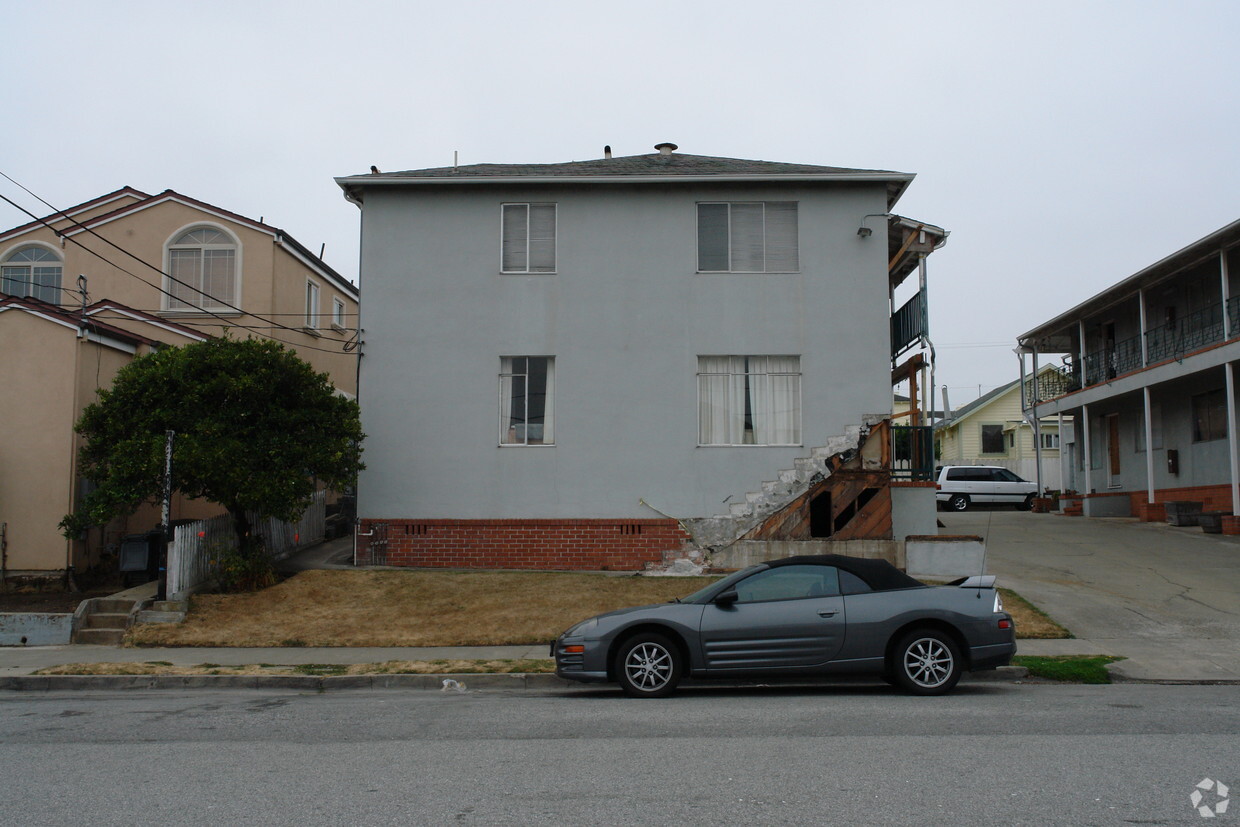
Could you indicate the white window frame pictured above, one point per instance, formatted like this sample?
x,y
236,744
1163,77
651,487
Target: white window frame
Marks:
x,y
736,405
338,320
313,299
766,243
510,434
29,287
508,209
197,304
1050,440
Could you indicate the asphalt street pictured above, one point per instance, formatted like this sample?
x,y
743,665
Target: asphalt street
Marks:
x,y
990,753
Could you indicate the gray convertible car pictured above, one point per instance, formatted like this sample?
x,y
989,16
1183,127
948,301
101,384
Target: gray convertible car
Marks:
x,y
809,615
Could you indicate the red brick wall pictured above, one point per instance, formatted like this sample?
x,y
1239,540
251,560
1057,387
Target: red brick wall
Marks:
x,y
1213,497
584,545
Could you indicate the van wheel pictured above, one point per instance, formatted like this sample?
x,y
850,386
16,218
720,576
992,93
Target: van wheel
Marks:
x,y
958,502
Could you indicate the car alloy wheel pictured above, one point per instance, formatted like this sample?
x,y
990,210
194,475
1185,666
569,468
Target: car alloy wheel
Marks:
x,y
648,666
958,502
929,663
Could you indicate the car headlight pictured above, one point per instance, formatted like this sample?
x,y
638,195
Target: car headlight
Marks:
x,y
581,628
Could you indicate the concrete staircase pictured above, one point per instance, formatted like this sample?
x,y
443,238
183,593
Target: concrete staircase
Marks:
x,y
103,621
162,611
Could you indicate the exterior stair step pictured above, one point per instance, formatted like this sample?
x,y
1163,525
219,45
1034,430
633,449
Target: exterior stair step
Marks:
x,y
100,637
110,605
107,620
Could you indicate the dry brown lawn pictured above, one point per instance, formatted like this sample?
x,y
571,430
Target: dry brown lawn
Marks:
x,y
420,608
416,608
391,667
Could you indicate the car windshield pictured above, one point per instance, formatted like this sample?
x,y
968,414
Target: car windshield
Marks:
x,y
700,595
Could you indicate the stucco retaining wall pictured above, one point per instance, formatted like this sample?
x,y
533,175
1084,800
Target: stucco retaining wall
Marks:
x,y
945,555
35,629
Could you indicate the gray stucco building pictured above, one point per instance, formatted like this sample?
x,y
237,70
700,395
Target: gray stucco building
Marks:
x,y
588,364
1145,383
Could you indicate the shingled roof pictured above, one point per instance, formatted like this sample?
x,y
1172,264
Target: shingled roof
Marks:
x,y
653,167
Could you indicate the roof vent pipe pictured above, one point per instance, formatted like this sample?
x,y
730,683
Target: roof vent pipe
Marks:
x,y
607,152
666,148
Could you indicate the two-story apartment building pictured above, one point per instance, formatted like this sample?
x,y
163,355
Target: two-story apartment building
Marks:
x,y
586,364
86,290
1145,373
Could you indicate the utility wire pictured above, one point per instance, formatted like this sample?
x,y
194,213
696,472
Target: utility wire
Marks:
x,y
224,320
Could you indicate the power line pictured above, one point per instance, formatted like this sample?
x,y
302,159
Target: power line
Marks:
x,y
226,322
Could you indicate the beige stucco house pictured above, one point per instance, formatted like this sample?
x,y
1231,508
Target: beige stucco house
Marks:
x,y
87,290
992,430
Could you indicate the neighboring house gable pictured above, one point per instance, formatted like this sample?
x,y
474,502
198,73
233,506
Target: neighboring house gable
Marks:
x,y
156,270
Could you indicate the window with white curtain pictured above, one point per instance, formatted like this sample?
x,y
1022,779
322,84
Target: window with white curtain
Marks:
x,y
32,271
202,264
748,237
528,242
749,400
526,413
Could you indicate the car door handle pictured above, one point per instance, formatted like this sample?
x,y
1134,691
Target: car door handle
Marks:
x,y
827,613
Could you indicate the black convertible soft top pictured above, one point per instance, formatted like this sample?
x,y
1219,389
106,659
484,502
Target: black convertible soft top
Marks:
x,y
879,575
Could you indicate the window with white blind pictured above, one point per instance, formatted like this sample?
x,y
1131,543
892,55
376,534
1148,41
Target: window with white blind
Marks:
x,y
526,413
528,238
32,271
749,400
748,237
202,265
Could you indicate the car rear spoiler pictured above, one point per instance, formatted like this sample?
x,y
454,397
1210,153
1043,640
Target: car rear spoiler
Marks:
x,y
977,581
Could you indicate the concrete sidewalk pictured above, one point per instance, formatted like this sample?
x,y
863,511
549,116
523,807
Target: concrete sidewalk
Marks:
x,y
1166,598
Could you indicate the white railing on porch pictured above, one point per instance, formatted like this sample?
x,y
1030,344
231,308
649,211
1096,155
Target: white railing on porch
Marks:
x,y
189,562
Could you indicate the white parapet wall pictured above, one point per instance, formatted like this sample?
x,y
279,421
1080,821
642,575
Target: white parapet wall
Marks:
x,y
945,555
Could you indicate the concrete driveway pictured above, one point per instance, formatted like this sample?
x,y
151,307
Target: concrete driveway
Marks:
x,y
1167,598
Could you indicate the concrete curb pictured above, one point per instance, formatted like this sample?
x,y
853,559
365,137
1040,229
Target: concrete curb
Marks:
x,y
522,682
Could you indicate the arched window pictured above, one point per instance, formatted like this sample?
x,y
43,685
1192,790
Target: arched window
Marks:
x,y
32,271
203,266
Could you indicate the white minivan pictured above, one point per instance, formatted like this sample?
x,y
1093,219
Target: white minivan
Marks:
x,y
961,485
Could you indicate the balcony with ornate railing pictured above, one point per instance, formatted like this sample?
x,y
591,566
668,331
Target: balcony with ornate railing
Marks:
x,y
1170,341
1193,332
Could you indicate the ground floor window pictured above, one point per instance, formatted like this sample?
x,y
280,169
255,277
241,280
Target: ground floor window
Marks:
x,y
749,400
992,439
1209,416
526,414
1050,441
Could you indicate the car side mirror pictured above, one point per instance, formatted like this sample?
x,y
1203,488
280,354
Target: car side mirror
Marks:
x,y
726,597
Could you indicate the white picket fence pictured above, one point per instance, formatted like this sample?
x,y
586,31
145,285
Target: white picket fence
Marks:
x,y
190,565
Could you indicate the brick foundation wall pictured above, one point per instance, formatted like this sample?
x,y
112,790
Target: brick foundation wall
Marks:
x,y
1213,498
581,545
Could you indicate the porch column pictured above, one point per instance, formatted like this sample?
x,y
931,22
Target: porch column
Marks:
x,y
1145,354
1222,267
1084,377
1231,438
1063,455
1037,425
1149,447
1089,455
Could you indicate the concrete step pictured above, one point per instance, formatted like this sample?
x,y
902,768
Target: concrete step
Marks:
x,y
110,605
106,620
152,616
181,606
99,637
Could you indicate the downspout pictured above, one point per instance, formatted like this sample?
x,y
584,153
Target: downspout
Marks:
x,y
1037,426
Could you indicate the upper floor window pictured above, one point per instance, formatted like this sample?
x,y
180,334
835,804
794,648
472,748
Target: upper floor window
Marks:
x,y
312,305
202,263
526,413
34,272
748,237
749,400
337,314
528,238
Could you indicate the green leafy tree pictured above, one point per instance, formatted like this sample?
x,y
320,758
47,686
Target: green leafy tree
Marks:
x,y
256,428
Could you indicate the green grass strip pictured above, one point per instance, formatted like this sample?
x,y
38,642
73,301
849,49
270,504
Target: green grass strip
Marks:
x,y
1068,668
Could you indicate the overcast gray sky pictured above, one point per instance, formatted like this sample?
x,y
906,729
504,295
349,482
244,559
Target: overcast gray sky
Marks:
x,y
1066,145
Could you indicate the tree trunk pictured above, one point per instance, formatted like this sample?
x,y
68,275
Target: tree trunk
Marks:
x,y
247,543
